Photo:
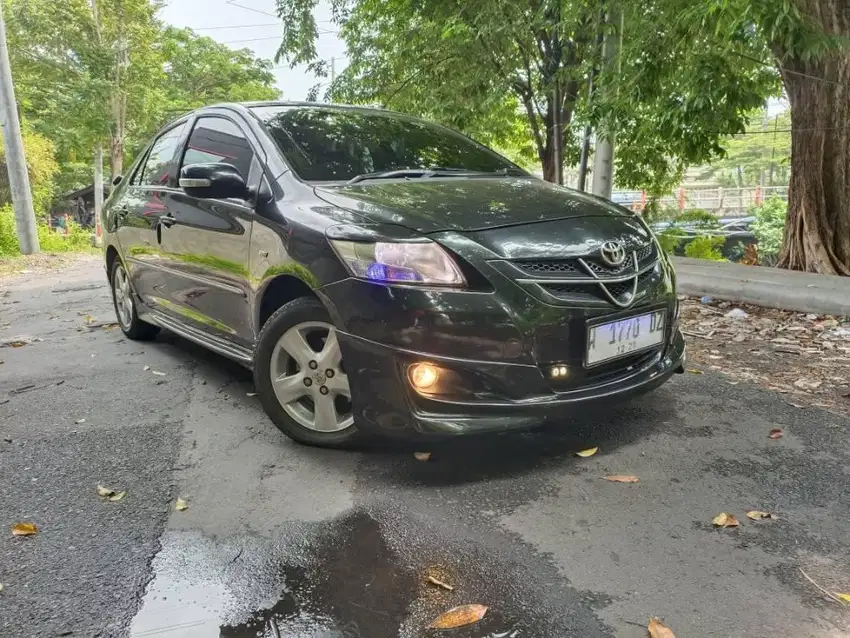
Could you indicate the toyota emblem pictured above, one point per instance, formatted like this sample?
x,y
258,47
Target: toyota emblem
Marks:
x,y
613,253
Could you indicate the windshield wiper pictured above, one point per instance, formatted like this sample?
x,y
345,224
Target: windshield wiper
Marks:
x,y
422,173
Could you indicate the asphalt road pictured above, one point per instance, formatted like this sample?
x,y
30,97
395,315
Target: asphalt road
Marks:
x,y
284,540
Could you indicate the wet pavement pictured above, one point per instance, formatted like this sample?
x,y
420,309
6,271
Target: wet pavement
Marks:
x,y
285,540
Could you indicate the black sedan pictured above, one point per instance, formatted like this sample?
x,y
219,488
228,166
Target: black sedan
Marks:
x,y
385,275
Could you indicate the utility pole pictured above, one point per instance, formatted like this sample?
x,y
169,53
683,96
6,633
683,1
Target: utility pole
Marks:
x,y
591,87
98,150
603,160
16,161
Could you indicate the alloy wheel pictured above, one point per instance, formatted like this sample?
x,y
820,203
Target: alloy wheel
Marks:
x,y
308,378
123,297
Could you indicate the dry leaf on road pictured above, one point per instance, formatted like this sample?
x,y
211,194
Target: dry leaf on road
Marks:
x,y
158,373
117,496
1,586
104,491
79,421
758,515
422,456
658,629
845,597
146,368
621,478
24,529
775,433
459,616
695,371
181,505
725,520
586,453
439,583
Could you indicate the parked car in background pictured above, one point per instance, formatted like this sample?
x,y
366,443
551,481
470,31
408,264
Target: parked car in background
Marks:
x,y
385,275
735,231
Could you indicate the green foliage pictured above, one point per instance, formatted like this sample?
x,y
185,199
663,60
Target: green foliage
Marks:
x,y
769,227
699,218
115,82
77,239
760,150
670,240
41,167
705,247
489,67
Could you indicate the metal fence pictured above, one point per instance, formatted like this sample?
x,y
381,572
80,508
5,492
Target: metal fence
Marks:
x,y
729,202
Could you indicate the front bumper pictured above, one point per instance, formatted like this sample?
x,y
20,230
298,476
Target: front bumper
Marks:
x,y
522,398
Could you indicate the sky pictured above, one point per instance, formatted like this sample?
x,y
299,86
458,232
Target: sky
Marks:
x,y
252,24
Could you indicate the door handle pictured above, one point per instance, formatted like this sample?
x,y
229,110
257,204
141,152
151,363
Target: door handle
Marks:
x,y
168,220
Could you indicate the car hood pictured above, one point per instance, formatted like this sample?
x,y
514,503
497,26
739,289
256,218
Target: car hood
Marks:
x,y
465,204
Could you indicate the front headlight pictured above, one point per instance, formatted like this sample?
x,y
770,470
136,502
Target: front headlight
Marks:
x,y
414,262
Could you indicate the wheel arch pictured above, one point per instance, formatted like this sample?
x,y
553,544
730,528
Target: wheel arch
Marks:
x,y
282,289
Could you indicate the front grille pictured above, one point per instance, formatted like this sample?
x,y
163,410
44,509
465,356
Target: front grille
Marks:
x,y
600,268
619,288
550,267
576,292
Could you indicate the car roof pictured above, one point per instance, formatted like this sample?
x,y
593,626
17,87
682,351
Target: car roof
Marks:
x,y
247,106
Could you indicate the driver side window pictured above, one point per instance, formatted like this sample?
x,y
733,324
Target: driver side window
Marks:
x,y
216,139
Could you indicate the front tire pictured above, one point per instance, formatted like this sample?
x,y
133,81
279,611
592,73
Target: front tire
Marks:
x,y
300,377
125,306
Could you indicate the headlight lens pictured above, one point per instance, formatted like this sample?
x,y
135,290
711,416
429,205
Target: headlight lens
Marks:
x,y
420,262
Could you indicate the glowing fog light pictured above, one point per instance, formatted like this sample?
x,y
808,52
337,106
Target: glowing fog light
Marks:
x,y
423,375
559,372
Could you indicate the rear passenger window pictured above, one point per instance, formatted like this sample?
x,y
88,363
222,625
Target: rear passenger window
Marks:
x,y
215,139
159,162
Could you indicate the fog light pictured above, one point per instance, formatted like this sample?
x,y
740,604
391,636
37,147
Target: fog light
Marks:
x,y
559,372
423,375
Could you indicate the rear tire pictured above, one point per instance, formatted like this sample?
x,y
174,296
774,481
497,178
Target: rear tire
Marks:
x,y
300,379
125,306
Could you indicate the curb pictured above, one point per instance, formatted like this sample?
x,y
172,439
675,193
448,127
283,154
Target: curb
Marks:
x,y
761,286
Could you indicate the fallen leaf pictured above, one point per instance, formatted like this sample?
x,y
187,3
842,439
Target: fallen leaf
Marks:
x,y
439,583
658,629
621,478
158,373
18,344
725,520
89,318
459,616
79,421
757,515
845,597
422,456
1,587
252,394
146,368
104,491
117,496
24,529
181,505
695,371
586,453
775,433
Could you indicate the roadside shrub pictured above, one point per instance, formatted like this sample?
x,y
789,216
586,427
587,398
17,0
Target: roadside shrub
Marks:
x,y
76,240
769,227
699,218
705,247
8,234
669,240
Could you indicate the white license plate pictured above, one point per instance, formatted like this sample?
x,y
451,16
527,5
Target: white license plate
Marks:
x,y
620,338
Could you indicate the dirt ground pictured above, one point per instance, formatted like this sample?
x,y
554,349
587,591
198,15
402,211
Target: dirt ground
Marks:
x,y
805,357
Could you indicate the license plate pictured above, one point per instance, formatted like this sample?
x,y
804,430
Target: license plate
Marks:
x,y
615,339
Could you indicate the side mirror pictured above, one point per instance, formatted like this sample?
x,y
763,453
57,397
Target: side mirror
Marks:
x,y
213,181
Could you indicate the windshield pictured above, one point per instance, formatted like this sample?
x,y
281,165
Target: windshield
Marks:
x,y
333,144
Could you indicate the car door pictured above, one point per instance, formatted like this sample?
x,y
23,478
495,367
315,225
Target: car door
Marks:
x,y
207,242
139,213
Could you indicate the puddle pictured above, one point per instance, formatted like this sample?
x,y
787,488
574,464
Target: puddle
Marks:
x,y
340,581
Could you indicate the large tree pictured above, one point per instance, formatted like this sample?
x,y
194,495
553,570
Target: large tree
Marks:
x,y
808,41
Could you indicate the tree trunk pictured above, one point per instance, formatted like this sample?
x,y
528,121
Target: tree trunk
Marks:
x,y
817,230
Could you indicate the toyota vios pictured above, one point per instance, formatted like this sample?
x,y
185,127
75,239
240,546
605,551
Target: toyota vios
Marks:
x,y
383,274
